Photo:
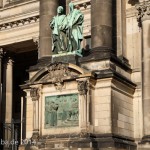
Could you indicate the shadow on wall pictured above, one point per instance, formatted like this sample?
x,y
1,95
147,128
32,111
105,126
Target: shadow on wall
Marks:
x,y
133,2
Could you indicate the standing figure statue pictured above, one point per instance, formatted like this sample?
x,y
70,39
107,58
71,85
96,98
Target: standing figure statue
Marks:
x,y
75,28
58,26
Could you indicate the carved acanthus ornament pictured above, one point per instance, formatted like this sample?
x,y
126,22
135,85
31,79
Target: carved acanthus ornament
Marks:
x,y
34,93
57,73
143,12
82,86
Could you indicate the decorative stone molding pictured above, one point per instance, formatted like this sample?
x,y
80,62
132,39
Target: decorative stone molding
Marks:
x,y
18,23
84,4
82,86
34,93
143,12
57,71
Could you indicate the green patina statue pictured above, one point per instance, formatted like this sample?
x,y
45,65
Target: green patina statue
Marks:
x,y
75,28
59,26
67,31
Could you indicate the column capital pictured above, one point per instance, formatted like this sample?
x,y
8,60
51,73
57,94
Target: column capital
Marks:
x,y
143,12
10,61
82,86
34,93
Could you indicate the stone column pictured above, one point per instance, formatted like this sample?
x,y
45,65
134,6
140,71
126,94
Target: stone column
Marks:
x,y
1,3
144,21
67,6
7,100
9,90
48,9
1,56
121,28
84,102
34,93
101,24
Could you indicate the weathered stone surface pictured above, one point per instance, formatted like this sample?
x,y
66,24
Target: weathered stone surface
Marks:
x,y
47,11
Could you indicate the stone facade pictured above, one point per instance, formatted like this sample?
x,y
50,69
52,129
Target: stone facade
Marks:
x,y
96,102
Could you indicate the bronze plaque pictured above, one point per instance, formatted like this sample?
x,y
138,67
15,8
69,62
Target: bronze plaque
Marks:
x,y
62,111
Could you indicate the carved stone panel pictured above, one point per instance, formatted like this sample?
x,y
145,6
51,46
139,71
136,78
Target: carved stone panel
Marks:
x,y
58,72
61,111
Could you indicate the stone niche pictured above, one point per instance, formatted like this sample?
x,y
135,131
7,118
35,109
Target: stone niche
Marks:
x,y
57,100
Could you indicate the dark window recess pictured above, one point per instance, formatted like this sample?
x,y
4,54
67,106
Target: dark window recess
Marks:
x,y
86,46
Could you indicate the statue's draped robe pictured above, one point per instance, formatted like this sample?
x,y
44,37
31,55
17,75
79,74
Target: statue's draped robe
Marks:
x,y
75,29
58,25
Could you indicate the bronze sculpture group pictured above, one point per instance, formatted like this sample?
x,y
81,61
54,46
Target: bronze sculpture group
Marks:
x,y
67,30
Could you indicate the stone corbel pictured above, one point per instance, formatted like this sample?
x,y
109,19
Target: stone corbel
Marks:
x,y
83,88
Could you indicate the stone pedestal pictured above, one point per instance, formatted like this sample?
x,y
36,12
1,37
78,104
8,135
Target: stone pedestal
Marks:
x,y
85,103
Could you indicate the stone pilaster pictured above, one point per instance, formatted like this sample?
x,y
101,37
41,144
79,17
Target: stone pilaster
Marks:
x,y
121,28
144,22
47,11
101,24
1,56
34,93
83,88
7,100
9,90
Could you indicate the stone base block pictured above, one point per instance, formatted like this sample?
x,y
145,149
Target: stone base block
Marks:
x,y
64,58
91,142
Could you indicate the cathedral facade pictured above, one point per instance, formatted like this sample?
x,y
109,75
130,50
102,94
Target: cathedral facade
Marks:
x,y
98,100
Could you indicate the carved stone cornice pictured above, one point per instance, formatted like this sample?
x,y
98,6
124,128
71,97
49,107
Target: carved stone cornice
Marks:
x,y
18,23
143,12
34,93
